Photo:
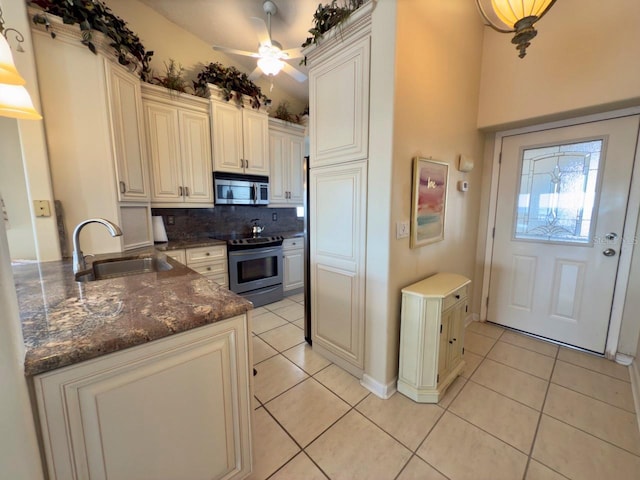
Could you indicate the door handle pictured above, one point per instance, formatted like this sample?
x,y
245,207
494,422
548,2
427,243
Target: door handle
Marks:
x,y
609,252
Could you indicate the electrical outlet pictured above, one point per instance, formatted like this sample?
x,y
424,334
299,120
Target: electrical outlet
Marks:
x,y
171,220
274,216
402,230
41,208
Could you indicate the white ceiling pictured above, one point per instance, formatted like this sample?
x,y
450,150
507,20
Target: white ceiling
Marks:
x,y
226,23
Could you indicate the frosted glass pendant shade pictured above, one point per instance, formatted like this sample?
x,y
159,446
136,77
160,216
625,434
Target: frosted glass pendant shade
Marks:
x,y
8,71
511,11
15,102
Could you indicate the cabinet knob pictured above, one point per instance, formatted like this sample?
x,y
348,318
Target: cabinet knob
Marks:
x,y
209,269
458,297
207,254
455,339
451,341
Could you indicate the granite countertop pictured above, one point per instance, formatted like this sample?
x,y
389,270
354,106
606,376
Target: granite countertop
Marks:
x,y
66,322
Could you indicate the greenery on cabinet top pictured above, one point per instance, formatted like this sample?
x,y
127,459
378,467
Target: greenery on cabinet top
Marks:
x,y
328,16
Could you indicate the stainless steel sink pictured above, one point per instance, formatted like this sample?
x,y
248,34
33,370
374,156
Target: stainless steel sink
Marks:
x,y
122,267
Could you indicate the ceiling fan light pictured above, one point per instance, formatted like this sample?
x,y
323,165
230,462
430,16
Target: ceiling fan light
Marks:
x,y
270,65
8,71
15,102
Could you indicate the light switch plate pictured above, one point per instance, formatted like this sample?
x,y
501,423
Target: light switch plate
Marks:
x,y
402,230
41,208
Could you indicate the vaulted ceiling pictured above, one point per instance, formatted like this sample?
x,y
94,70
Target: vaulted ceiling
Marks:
x,y
226,23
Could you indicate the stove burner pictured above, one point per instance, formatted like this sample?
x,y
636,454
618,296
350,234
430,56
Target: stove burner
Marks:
x,y
238,243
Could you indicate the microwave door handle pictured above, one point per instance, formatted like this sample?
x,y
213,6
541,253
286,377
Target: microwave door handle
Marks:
x,y
255,192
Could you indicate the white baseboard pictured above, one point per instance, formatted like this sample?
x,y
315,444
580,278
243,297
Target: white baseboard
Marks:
x,y
474,317
634,373
623,359
381,390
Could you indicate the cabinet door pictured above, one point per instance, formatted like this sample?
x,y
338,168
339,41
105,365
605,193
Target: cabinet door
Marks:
x,y
296,171
116,417
164,150
293,269
227,137
195,142
338,220
443,348
456,334
278,158
255,131
339,106
127,126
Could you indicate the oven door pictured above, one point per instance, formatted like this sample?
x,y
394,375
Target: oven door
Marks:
x,y
255,268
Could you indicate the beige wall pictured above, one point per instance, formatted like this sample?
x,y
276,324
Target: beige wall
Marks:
x,y
437,73
169,41
584,60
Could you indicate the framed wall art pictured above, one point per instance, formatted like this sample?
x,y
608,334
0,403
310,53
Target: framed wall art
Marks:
x,y
429,201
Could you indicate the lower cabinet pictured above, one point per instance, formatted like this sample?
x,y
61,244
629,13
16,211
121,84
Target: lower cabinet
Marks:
x,y
208,261
293,264
432,336
179,407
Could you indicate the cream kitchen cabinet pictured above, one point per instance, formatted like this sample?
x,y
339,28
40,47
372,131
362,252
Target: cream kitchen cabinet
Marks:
x,y
95,138
240,136
432,336
293,264
179,145
178,407
208,261
286,154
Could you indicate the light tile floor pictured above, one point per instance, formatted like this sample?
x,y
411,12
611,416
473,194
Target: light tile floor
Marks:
x,y
523,409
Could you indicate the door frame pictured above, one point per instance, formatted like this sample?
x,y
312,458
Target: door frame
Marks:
x,y
630,224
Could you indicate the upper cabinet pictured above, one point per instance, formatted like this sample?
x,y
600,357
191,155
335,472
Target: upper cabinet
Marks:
x,y
339,104
286,152
240,137
179,145
128,135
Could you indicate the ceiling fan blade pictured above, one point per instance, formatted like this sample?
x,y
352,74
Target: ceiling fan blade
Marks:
x,y
255,74
261,30
293,52
297,74
235,51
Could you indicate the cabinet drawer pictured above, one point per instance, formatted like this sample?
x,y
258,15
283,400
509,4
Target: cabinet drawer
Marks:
x,y
213,268
177,255
293,243
206,254
454,297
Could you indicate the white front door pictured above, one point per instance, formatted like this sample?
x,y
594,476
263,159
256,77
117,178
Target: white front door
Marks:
x,y
562,199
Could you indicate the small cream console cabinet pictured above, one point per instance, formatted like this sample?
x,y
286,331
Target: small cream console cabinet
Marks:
x,y
178,407
432,335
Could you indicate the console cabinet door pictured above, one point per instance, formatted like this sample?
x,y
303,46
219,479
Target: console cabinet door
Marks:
x,y
174,408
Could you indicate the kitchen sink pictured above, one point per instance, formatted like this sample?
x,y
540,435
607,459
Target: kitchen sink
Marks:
x,y
123,267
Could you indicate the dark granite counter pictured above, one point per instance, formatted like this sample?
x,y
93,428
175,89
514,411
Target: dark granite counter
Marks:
x,y
66,322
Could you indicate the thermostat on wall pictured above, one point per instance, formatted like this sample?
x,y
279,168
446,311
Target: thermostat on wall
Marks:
x,y
463,185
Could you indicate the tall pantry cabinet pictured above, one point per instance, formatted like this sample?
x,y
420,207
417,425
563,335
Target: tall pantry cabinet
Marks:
x,y
93,119
339,151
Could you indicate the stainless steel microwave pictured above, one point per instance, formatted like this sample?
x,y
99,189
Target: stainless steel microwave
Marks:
x,y
239,189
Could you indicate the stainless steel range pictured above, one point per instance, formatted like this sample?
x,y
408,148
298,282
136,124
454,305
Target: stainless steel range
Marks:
x,y
255,267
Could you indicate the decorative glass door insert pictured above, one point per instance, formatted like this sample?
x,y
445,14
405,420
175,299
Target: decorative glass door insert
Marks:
x,y
558,192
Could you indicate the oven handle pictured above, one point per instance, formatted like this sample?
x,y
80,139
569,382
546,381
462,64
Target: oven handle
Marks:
x,y
251,251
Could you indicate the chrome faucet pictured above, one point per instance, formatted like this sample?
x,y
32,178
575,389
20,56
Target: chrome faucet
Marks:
x,y
78,257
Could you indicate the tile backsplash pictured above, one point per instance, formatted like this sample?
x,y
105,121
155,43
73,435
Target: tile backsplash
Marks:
x,y
226,219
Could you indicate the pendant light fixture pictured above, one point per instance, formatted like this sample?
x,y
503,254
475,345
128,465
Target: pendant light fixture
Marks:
x,y
15,101
515,16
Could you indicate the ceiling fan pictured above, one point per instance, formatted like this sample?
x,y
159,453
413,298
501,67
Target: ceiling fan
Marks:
x,y
271,57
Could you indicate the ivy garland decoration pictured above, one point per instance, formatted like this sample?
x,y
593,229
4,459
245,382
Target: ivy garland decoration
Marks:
x,y
233,83
328,16
94,15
